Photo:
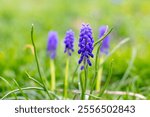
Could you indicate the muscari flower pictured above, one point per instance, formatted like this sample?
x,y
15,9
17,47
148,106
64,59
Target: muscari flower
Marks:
x,y
69,40
52,44
85,45
105,43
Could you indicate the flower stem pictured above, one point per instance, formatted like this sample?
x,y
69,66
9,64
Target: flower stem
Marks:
x,y
99,76
83,92
81,85
66,78
52,71
84,83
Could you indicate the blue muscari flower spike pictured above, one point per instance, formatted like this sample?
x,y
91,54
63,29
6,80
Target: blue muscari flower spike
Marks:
x,y
69,40
105,43
85,45
52,44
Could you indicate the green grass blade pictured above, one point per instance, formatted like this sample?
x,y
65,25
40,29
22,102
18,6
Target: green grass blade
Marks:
x,y
8,85
74,97
20,89
35,53
126,74
33,79
37,62
96,59
103,37
115,49
118,98
107,80
74,73
96,71
29,88
92,96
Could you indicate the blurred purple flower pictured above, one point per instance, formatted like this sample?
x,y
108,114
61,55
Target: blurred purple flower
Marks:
x,y
52,44
69,40
85,45
105,43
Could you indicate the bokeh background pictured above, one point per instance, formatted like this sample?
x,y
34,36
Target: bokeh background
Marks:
x,y
129,18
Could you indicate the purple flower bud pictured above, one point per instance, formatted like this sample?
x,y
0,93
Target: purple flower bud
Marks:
x,y
69,40
52,44
85,45
105,43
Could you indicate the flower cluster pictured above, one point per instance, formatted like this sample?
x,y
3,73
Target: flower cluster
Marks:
x,y
105,43
85,45
68,41
52,44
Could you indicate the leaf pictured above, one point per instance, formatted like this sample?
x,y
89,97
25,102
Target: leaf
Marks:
x,y
107,80
133,56
8,85
96,70
103,37
20,89
75,73
33,79
28,88
114,50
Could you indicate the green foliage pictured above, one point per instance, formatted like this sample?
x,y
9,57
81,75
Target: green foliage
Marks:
x,y
128,19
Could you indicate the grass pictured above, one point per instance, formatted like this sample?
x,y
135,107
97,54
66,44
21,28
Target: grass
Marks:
x,y
131,63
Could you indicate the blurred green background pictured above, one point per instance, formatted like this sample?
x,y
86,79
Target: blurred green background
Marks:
x,y
129,18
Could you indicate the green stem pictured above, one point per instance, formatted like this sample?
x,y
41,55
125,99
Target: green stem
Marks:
x,y
66,78
29,88
99,76
52,71
85,82
82,86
